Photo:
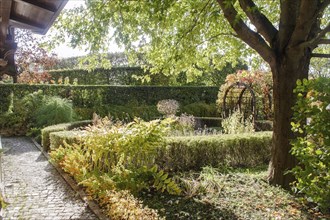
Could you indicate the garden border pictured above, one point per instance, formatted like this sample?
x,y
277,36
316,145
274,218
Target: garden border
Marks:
x,y
2,186
91,204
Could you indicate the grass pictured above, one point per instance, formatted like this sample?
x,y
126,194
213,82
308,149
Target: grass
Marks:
x,y
229,194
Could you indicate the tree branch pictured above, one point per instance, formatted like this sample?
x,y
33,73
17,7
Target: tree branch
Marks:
x,y
216,36
307,17
288,17
319,38
253,39
195,22
324,41
320,55
259,20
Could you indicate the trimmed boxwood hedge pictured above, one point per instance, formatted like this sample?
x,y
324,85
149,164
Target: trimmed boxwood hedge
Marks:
x,y
45,132
91,95
59,137
194,152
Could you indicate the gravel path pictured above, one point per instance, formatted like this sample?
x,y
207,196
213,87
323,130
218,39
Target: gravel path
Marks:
x,y
33,187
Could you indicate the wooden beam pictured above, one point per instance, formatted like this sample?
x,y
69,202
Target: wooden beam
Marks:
x,y
5,14
320,55
56,14
25,25
37,5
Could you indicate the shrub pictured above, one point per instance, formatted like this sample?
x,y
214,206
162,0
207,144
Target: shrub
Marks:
x,y
12,124
185,153
312,146
53,110
194,152
126,151
115,160
200,109
28,114
58,138
236,124
45,132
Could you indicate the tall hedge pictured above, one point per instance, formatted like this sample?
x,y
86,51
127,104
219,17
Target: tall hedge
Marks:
x,y
103,95
99,76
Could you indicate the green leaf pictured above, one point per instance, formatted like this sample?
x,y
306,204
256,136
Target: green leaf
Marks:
x,y
318,152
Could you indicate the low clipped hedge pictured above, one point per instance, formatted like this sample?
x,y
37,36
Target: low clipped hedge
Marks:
x,y
58,138
45,132
194,152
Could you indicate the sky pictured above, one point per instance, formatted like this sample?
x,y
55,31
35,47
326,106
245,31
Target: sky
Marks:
x,y
65,51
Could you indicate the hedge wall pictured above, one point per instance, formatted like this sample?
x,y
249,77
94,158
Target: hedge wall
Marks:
x,y
93,96
113,76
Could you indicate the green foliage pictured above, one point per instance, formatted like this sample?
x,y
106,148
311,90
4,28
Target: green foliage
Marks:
x,y
101,186
126,152
136,142
12,124
163,183
114,76
194,152
184,153
45,132
237,124
58,138
121,74
312,146
54,110
200,109
189,42
30,111
116,157
134,100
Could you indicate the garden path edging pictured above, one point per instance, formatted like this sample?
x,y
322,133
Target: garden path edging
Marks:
x,y
91,204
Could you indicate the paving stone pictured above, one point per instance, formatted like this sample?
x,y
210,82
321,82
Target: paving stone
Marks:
x,y
33,187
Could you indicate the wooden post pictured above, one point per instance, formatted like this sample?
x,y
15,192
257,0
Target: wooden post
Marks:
x,y
7,56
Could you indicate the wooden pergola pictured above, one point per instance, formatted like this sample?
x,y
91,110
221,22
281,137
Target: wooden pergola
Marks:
x,y
35,15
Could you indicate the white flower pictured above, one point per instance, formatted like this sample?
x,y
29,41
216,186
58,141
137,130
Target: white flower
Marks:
x,y
328,108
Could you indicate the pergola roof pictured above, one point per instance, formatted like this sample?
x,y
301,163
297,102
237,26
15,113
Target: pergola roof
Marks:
x,y
35,15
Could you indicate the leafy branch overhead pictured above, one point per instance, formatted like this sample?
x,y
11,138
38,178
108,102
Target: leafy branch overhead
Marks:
x,y
187,35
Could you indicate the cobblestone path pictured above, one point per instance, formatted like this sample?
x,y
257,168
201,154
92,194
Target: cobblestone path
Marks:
x,y
33,187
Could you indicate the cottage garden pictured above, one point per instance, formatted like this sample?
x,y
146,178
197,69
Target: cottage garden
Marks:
x,y
184,152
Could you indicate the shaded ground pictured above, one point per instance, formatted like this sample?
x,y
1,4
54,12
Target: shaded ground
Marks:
x,y
33,188
237,194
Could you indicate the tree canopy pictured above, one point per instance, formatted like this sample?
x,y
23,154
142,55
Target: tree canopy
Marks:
x,y
175,36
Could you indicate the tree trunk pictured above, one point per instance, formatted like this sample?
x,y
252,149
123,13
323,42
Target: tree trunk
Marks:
x,y
289,67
